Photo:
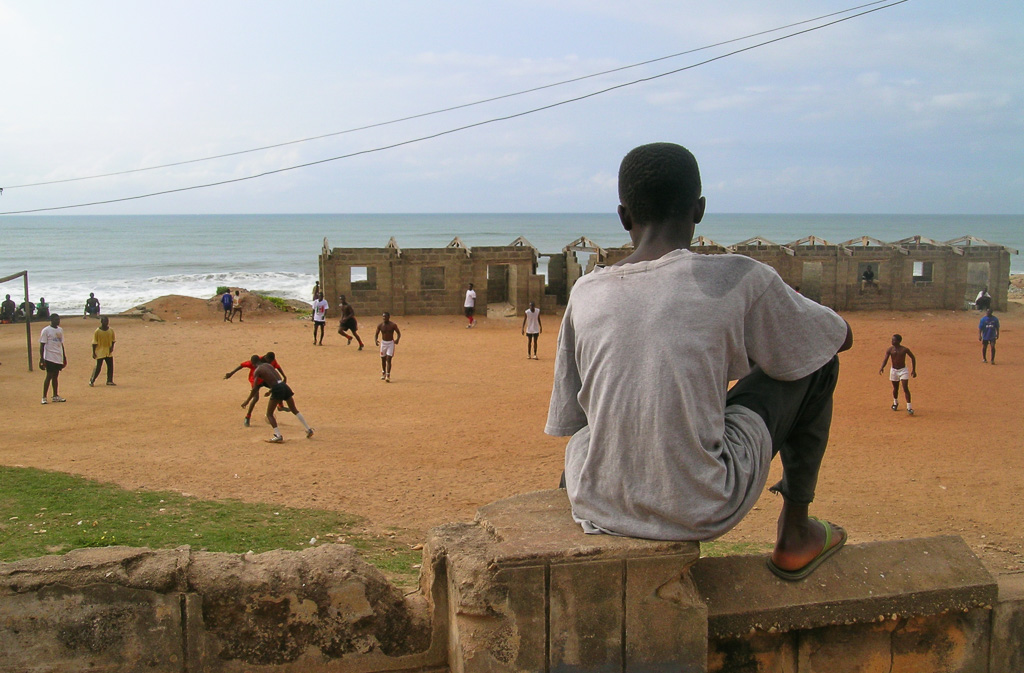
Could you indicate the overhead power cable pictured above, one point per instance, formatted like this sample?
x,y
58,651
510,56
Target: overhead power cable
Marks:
x,y
465,127
446,109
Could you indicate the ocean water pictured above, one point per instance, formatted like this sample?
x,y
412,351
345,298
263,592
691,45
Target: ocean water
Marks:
x,y
128,260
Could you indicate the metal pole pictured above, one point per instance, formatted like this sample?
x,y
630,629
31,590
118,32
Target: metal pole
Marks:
x,y
28,323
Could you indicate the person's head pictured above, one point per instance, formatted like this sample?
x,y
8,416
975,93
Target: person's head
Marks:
x,y
342,299
659,184
896,339
104,322
270,356
236,293
255,360
532,305
54,320
8,297
42,300
988,312
470,286
92,296
387,316
320,296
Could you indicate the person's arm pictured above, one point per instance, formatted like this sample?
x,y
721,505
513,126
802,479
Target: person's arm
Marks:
x,y
981,326
232,372
996,335
913,363
848,342
64,354
42,360
113,340
523,330
284,377
540,330
93,350
398,334
376,336
888,352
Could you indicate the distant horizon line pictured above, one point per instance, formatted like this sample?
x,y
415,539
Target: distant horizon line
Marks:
x,y
483,212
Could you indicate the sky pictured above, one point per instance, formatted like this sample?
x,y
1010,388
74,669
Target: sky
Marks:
x,y
916,108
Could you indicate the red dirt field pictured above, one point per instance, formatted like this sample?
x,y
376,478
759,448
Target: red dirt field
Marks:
x,y
461,424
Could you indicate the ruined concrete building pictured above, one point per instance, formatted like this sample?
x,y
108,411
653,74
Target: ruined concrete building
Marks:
x,y
862,273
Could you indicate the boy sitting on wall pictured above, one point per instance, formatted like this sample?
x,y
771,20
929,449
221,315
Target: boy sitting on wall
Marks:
x,y
660,448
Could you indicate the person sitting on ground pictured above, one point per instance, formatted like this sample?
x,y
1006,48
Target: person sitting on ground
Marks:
x,y
92,306
26,311
7,310
42,309
660,447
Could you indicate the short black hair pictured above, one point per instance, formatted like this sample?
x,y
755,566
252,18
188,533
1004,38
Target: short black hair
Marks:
x,y
658,181
899,338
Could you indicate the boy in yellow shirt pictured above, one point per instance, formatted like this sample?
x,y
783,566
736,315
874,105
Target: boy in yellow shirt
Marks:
x,y
103,351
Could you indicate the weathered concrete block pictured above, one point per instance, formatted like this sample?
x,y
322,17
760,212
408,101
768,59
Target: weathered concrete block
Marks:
x,y
755,653
950,643
1007,653
284,607
101,609
529,591
587,616
99,627
901,579
666,620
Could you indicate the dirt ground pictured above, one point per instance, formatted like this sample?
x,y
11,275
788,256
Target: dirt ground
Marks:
x,y
461,423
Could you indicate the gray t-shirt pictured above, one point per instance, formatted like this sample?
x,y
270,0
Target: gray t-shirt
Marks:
x,y
645,355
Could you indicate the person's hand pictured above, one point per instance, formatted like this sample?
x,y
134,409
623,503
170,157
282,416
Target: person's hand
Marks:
x,y
266,394
227,376
245,403
914,374
880,370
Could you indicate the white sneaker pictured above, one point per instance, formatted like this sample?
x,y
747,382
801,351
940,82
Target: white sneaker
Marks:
x,y
276,439
309,433
383,376
44,400
57,398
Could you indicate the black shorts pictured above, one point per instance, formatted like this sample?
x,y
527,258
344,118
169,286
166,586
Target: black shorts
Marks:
x,y
470,310
319,322
281,392
53,367
348,325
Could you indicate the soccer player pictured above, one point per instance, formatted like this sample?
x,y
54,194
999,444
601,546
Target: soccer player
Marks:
x,y
899,372
387,337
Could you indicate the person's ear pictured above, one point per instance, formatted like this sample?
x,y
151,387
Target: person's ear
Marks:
x,y
625,218
698,210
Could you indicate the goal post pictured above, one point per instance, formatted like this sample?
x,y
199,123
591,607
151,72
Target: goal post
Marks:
x,y
28,318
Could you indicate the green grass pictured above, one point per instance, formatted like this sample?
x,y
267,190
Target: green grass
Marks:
x,y
722,548
51,513
278,302
221,289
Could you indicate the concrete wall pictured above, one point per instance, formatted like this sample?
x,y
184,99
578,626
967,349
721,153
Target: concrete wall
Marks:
x,y
429,281
829,274
519,589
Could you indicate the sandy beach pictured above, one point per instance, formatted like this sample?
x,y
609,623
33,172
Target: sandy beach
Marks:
x,y
461,423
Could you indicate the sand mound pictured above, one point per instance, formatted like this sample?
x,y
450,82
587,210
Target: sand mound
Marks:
x,y
174,306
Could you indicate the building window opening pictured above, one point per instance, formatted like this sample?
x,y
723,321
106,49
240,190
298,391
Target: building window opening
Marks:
x,y
363,278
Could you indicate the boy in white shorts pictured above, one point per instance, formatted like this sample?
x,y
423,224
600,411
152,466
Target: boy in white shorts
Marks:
x,y
899,372
387,337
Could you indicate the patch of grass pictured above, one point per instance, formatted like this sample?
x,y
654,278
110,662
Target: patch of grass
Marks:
x,y
45,512
221,289
717,548
278,302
